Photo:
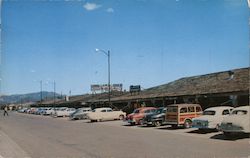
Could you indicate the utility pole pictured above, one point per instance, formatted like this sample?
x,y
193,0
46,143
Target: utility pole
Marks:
x,y
41,90
54,93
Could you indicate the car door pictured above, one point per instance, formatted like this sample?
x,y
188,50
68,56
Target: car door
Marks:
x,y
110,114
103,114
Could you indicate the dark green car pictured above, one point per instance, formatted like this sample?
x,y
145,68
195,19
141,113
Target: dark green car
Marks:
x,y
157,118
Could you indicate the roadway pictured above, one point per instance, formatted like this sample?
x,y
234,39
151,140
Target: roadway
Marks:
x,y
46,137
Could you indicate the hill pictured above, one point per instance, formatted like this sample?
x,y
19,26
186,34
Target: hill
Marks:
x,y
24,98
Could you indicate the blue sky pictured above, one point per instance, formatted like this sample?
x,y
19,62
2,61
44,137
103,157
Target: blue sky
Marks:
x,y
152,42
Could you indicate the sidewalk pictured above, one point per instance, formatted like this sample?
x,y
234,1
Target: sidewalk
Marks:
x,y
9,149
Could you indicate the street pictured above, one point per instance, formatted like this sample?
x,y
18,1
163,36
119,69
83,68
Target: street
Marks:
x,y
47,137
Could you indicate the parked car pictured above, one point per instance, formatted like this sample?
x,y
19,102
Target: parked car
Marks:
x,y
32,110
182,114
136,118
43,111
56,109
22,110
80,113
156,118
48,111
101,114
237,122
64,112
211,117
40,111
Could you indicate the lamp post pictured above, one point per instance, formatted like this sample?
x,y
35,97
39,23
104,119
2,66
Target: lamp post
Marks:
x,y
108,55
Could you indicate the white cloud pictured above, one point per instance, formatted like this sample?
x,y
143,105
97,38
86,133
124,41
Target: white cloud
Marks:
x,y
91,6
110,10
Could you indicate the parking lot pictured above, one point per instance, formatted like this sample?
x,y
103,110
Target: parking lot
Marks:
x,y
44,136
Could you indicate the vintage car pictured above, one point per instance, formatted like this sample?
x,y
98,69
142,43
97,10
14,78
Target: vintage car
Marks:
x,y
237,122
22,110
48,111
136,118
157,118
182,114
64,112
211,117
104,114
80,113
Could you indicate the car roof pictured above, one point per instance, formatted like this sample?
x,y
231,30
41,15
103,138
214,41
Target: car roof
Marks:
x,y
145,108
219,108
242,108
104,108
182,105
85,108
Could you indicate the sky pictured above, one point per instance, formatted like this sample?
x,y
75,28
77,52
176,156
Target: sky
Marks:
x,y
151,42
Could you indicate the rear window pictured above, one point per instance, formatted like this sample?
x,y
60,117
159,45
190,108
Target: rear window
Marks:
x,y
172,109
209,112
153,110
239,112
147,111
198,109
225,112
136,111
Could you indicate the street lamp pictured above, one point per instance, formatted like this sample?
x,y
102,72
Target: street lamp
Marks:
x,y
108,55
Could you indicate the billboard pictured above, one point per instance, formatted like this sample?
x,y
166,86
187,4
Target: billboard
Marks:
x,y
134,88
95,88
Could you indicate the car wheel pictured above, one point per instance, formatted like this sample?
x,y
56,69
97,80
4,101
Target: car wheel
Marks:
x,y
132,123
140,122
157,123
121,117
174,126
187,124
217,128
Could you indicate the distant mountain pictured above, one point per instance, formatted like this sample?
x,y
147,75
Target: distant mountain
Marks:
x,y
25,98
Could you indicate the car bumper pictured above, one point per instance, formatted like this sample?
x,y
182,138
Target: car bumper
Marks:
x,y
131,121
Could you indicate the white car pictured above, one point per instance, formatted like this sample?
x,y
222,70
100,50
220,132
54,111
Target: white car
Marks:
x,y
101,114
237,122
211,117
49,111
64,112
80,113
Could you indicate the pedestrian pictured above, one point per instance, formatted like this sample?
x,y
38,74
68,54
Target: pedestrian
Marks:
x,y
5,111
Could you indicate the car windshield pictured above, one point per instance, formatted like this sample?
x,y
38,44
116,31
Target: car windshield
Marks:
x,y
239,112
209,112
159,111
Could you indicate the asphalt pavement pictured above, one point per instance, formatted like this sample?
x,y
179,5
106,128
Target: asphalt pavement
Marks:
x,y
24,135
